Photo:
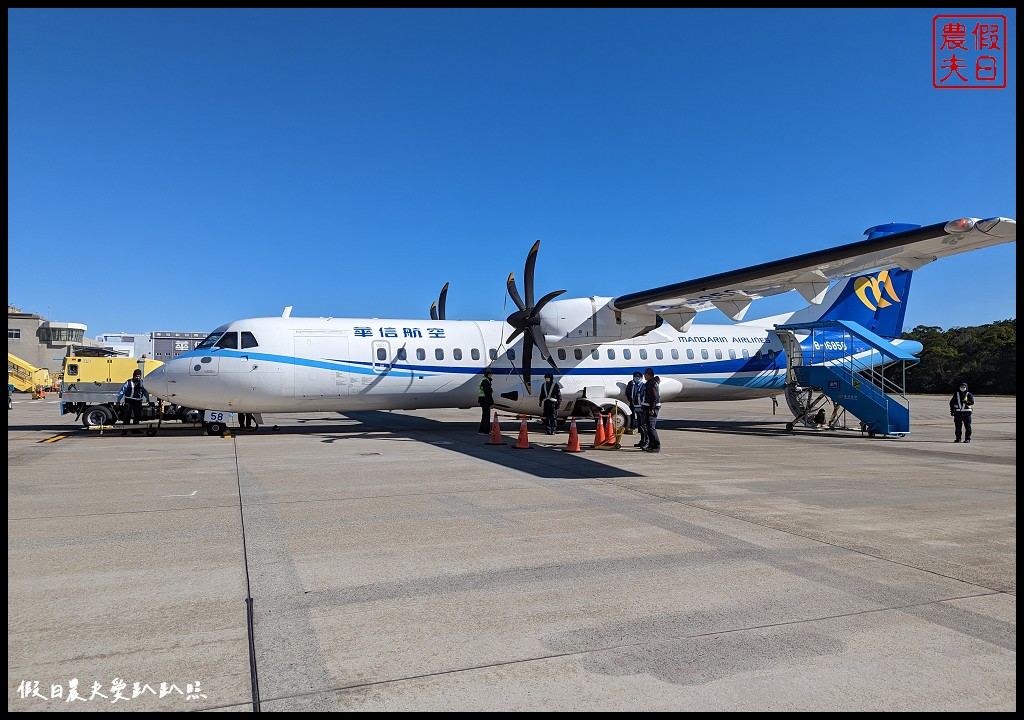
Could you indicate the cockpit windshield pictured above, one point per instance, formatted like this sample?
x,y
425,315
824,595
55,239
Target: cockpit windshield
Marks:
x,y
228,340
210,340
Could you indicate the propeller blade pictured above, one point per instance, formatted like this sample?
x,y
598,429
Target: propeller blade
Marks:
x,y
441,302
545,300
513,292
527,361
433,311
538,338
513,336
531,261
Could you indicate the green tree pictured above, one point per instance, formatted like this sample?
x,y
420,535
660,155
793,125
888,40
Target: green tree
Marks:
x,y
985,357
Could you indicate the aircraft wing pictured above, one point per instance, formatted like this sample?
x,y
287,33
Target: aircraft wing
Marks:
x,y
811,274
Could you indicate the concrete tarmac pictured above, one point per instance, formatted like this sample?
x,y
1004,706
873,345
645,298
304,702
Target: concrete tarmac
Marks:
x,y
396,562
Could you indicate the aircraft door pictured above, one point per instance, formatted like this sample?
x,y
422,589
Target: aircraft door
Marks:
x,y
381,351
318,369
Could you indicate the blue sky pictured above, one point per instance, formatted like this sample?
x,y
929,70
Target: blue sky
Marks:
x,y
178,169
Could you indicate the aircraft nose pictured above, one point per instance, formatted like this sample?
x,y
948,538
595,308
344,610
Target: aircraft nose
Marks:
x,y
156,382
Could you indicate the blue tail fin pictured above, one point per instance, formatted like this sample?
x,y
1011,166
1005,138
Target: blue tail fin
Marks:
x,y
877,301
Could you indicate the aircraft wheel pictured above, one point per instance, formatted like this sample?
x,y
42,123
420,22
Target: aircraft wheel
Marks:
x,y
619,420
789,426
215,428
871,433
191,416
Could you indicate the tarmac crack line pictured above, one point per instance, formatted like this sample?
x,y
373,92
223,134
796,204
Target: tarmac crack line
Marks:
x,y
253,672
624,646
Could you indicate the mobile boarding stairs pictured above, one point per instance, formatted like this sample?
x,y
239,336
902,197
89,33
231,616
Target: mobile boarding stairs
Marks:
x,y
868,383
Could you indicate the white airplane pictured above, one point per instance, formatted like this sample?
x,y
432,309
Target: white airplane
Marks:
x,y
293,364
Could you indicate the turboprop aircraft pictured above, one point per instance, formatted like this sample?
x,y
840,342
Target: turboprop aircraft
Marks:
x,y
856,294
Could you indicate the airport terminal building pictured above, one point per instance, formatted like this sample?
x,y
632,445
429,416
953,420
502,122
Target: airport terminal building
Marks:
x,y
44,343
41,342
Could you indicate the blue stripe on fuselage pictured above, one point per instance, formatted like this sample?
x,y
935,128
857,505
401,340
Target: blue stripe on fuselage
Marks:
x,y
738,365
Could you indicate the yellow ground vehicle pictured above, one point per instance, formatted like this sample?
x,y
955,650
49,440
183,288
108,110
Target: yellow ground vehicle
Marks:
x,y
90,385
25,377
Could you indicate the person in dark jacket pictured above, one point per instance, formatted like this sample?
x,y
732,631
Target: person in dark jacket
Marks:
x,y
961,407
635,398
486,399
550,401
652,406
131,394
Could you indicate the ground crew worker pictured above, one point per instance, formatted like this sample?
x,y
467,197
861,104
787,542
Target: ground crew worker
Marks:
x,y
630,392
652,404
486,400
550,401
132,393
635,396
961,407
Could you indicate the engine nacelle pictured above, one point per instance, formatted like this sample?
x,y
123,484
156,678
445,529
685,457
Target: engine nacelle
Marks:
x,y
586,321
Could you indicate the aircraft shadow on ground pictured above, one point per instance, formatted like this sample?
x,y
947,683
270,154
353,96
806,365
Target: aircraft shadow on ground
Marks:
x,y
543,461
734,427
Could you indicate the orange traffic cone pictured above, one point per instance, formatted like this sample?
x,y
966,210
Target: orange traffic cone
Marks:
x,y
599,431
574,438
611,440
495,438
524,436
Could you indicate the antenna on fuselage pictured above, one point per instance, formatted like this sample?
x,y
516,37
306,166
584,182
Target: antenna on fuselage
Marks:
x,y
287,312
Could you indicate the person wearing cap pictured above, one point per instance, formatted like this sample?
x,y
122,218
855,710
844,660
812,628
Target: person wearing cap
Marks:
x,y
961,407
550,401
132,394
635,398
485,398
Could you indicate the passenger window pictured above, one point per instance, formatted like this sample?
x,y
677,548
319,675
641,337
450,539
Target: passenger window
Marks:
x,y
578,353
493,354
675,354
475,353
382,354
611,354
401,353
659,354
718,354
689,354
511,354
732,354
746,353
249,340
228,341
457,353
626,354
704,354
595,354
643,354
421,354
561,354
439,353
